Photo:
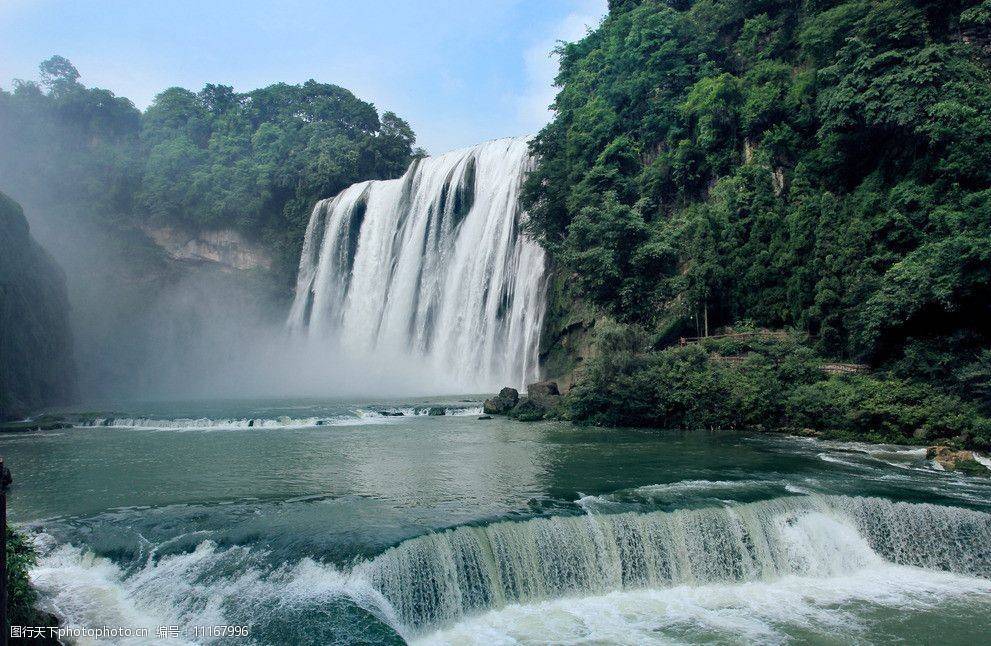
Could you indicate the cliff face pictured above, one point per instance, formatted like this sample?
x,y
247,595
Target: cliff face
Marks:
x,y
225,247
567,338
36,365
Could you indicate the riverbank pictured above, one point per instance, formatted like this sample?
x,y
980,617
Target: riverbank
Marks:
x,y
762,382
447,529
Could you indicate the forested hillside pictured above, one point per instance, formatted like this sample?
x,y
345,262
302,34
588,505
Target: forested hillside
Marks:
x,y
254,161
821,167
180,227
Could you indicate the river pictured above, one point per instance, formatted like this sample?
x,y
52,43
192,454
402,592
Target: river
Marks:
x,y
316,522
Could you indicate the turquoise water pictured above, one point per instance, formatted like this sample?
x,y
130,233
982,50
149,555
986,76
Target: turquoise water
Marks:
x,y
343,522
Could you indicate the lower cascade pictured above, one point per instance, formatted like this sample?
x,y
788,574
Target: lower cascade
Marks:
x,y
431,265
856,547
439,578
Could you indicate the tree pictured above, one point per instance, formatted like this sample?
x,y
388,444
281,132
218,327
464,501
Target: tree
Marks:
x,y
59,75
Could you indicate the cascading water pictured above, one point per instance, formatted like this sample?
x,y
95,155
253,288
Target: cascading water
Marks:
x,y
431,265
438,578
829,549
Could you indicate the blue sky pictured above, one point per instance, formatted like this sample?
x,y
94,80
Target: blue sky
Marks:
x,y
459,72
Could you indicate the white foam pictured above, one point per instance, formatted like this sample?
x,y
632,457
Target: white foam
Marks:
x,y
358,417
754,612
205,587
735,570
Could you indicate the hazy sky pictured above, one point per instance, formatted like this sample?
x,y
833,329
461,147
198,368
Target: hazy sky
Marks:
x,y
459,72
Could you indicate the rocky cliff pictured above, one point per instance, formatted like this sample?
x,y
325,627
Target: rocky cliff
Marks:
x,y
225,247
36,366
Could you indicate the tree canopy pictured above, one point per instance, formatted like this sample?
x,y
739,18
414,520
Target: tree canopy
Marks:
x,y
822,165
254,161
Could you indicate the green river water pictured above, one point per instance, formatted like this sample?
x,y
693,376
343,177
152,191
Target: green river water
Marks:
x,y
319,522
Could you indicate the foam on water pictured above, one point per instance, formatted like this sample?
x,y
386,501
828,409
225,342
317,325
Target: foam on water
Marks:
x,y
744,613
356,417
563,578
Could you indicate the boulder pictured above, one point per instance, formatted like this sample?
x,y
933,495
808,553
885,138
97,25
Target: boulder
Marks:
x,y
953,460
544,394
437,410
528,410
502,403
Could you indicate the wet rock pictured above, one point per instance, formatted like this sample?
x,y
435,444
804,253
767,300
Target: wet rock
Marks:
x,y
484,417
502,403
437,410
392,413
544,394
953,460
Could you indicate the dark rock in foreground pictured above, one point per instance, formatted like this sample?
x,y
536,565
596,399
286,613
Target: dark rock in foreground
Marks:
x,y
543,401
484,417
502,403
544,394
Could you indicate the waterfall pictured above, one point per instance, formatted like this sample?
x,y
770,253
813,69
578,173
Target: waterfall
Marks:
x,y
431,266
850,549
441,577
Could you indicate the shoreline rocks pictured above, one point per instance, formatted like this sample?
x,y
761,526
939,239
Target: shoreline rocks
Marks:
x,y
953,460
544,394
542,402
502,403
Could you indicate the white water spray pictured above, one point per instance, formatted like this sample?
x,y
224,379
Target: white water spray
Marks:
x,y
431,265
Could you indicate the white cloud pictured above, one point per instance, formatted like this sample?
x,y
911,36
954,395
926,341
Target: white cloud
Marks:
x,y
541,63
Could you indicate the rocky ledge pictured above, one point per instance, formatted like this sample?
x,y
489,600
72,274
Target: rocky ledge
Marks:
x,y
542,401
951,459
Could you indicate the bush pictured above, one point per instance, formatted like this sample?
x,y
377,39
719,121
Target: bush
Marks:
x,y
764,382
21,597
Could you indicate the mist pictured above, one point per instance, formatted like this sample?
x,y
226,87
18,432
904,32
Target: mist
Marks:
x,y
103,183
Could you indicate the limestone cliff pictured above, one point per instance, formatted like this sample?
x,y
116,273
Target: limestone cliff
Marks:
x,y
36,365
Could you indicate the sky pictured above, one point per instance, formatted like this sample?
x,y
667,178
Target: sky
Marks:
x,y
459,72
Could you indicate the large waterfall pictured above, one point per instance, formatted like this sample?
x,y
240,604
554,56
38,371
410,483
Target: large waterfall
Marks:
x,y
431,266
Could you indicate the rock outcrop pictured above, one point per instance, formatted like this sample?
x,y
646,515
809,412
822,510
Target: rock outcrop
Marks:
x,y
225,247
544,393
502,403
36,363
543,401
953,460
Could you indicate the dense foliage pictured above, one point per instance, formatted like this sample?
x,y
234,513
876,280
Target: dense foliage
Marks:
x,y
767,382
21,597
819,165
254,161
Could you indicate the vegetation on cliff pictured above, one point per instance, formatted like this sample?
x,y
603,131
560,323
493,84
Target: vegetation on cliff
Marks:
x,y
762,382
36,363
820,166
21,597
254,161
